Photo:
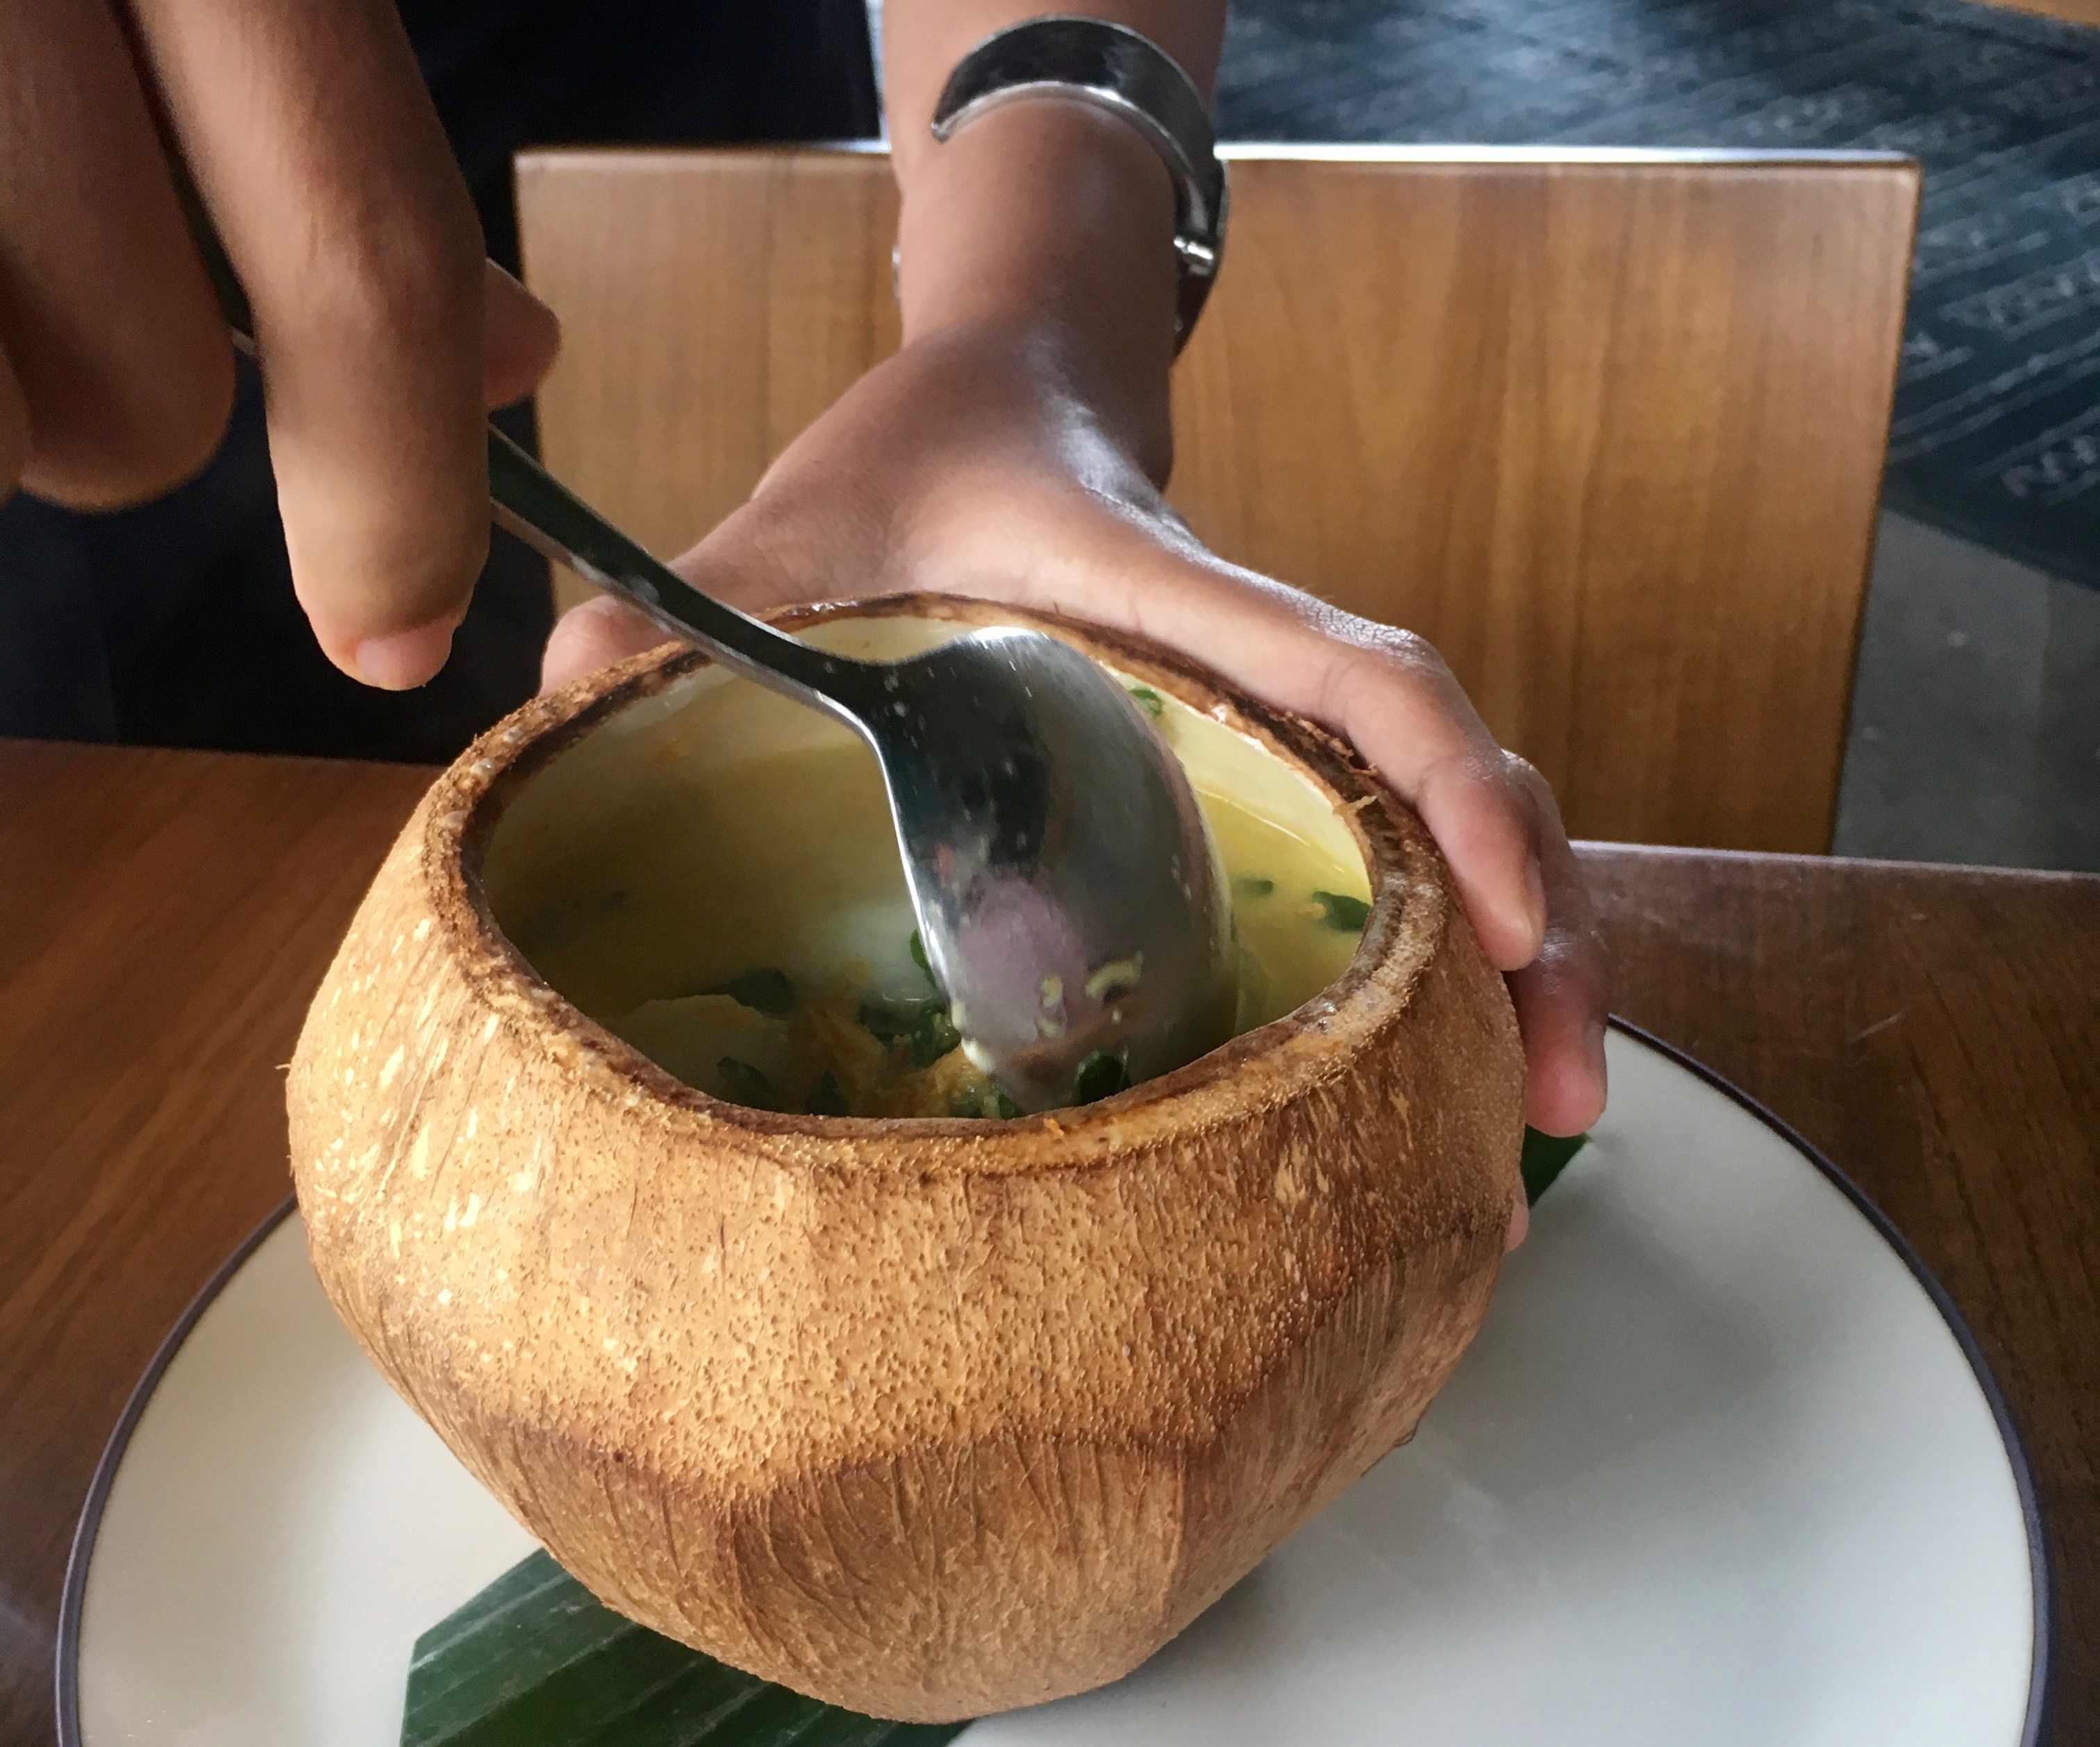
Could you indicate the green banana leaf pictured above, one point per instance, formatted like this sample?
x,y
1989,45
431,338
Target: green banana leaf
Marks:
x,y
535,1661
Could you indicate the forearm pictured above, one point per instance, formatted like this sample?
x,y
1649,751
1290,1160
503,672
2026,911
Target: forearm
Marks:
x,y
1047,221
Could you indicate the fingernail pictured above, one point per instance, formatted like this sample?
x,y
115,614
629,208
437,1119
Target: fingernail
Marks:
x,y
1520,1225
405,659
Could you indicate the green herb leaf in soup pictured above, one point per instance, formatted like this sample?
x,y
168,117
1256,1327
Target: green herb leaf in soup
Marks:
x,y
933,1037
1148,700
747,1085
1343,911
826,1099
766,991
1102,1075
891,1019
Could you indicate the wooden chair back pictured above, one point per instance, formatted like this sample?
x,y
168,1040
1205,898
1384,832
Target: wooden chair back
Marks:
x,y
1606,427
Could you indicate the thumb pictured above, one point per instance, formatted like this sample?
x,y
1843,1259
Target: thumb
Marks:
x,y
595,635
755,560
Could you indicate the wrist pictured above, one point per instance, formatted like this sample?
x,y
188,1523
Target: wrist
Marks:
x,y
1050,227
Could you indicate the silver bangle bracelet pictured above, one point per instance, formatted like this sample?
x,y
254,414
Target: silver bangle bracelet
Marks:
x,y
1111,67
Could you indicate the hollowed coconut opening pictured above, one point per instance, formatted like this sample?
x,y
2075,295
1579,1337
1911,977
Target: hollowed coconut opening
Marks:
x,y
709,871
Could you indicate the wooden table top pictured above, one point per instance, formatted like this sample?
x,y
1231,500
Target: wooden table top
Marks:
x,y
164,917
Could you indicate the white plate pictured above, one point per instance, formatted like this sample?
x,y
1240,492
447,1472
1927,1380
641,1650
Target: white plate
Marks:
x,y
1723,1467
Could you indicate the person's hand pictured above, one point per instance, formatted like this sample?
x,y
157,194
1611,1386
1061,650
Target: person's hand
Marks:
x,y
966,464
382,332
1013,449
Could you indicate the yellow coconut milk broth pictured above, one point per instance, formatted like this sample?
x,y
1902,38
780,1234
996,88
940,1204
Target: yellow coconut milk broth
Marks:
x,y
785,861
721,830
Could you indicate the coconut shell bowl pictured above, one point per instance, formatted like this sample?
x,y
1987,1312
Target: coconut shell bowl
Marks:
x,y
928,1416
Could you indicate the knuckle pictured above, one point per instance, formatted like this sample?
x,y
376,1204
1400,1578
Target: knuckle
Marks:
x,y
1521,771
1540,797
1523,778
1575,949
1368,656
1581,970
411,270
1409,653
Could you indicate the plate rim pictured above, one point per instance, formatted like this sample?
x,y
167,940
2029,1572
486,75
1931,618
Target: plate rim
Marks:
x,y
82,1553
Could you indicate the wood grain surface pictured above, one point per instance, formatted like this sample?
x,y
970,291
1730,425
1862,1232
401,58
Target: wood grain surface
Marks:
x,y
1608,434
712,304
1936,1032
1608,429
164,917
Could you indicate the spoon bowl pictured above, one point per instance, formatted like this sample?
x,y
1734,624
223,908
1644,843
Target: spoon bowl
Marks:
x,y
1073,906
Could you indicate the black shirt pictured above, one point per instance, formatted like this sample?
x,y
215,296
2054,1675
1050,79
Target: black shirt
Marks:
x,y
175,624
508,73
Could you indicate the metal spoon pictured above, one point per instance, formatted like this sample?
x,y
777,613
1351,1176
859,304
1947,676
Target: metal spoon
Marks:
x,y
1070,896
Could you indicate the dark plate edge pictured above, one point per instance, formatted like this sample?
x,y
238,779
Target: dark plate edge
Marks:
x,y
82,1551
2031,1734
2016,1455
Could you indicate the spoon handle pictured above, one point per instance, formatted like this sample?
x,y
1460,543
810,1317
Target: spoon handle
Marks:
x,y
531,503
